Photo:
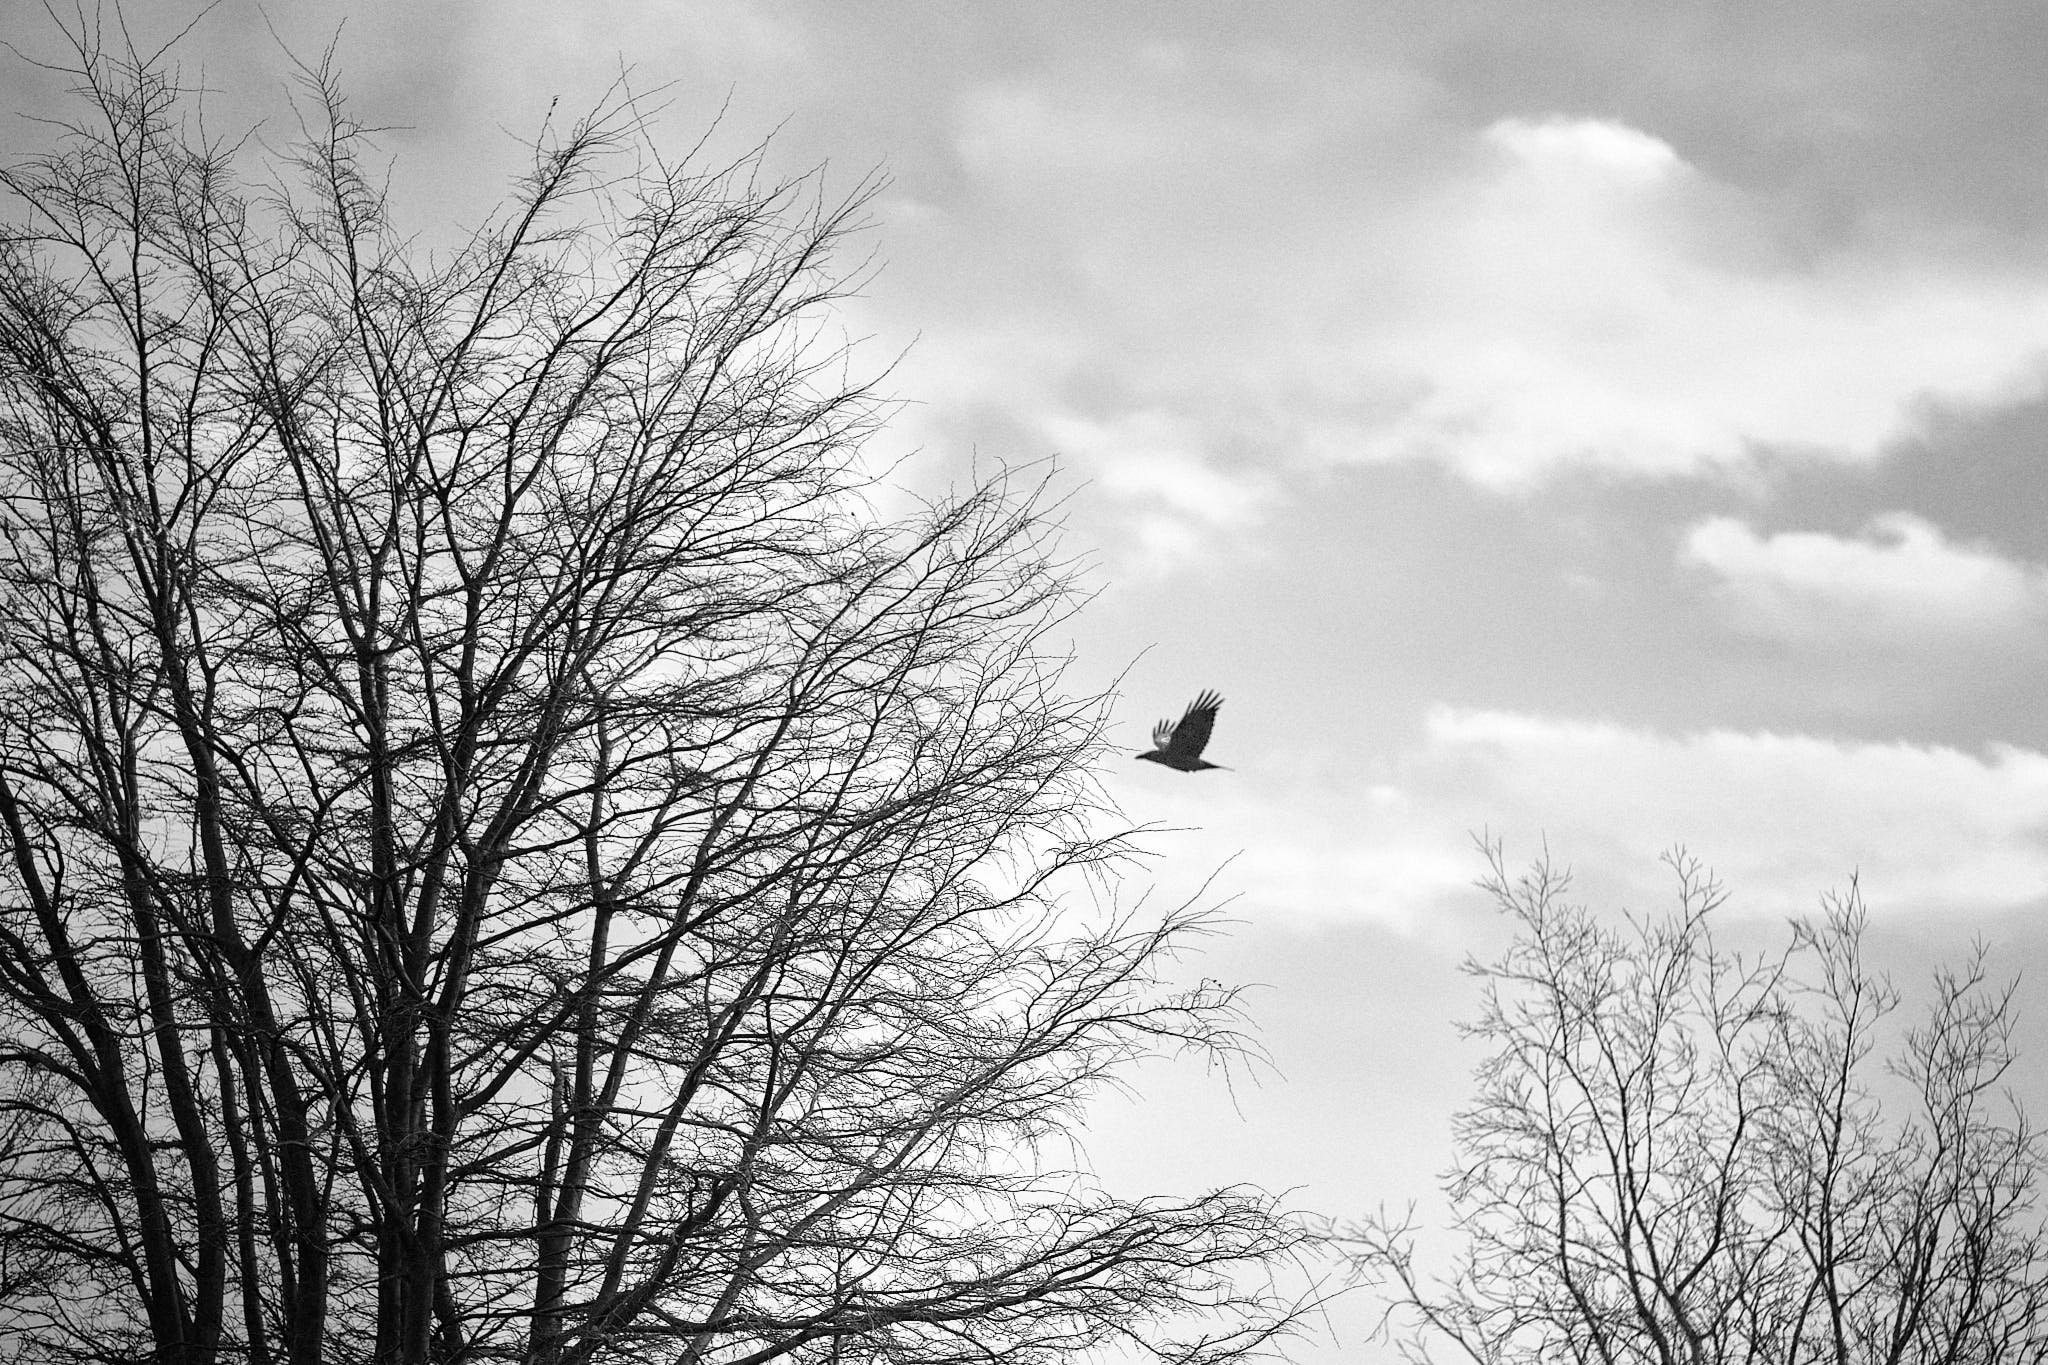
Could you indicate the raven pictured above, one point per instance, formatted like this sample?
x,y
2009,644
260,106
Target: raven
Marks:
x,y
1180,746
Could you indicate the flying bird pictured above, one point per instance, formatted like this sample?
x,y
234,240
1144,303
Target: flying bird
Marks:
x,y
1180,746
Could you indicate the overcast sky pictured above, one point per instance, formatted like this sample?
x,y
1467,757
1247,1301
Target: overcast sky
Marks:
x,y
1615,425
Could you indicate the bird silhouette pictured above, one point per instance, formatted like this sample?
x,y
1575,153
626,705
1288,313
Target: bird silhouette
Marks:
x,y
1180,746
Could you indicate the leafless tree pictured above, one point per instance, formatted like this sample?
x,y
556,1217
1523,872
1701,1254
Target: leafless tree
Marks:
x,y
1678,1155
505,856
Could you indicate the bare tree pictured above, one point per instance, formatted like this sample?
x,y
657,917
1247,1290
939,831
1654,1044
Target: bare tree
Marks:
x,y
1677,1155
505,857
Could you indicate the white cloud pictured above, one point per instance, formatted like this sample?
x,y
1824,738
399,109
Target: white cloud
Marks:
x,y
1174,500
1374,283
1147,458
1595,149
1781,819
1585,296
1901,577
1369,854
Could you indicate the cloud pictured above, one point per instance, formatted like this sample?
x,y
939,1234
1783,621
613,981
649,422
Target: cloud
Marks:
x,y
1376,283
1900,578
1175,500
1335,853
1587,297
1781,819
1599,153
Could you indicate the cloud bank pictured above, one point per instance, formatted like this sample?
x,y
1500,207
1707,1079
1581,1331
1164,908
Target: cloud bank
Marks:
x,y
1780,818
1258,288
1901,579
1590,298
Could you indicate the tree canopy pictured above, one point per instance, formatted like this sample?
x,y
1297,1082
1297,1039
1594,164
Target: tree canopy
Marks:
x,y
506,855
1680,1155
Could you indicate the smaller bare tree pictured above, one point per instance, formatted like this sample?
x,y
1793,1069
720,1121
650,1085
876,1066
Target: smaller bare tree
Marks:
x,y
1679,1155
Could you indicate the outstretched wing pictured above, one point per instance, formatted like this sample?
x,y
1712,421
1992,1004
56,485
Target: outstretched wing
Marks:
x,y
1162,734
1191,736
